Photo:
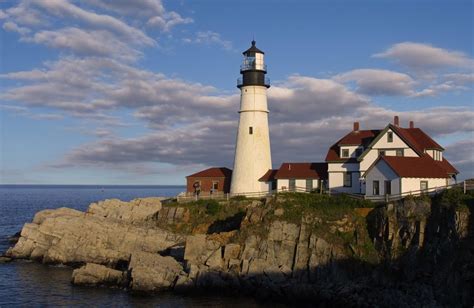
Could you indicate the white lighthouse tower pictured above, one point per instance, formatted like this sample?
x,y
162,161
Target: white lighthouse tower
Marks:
x,y
252,150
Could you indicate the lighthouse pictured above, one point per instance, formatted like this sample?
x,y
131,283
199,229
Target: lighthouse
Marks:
x,y
252,150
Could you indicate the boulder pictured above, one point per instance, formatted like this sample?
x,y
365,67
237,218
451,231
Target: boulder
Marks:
x,y
136,211
198,248
5,259
62,236
215,261
94,274
231,251
62,211
152,272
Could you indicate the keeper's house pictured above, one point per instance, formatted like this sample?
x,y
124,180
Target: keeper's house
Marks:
x,y
209,181
390,161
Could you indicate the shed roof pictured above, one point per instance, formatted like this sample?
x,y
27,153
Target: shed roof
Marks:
x,y
215,172
304,170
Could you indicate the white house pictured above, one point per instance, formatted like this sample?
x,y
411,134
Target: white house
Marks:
x,y
392,175
296,177
352,156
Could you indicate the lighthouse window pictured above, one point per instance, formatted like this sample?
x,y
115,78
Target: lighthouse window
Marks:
x,y
251,130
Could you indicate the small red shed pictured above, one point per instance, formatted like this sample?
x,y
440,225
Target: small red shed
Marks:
x,y
212,180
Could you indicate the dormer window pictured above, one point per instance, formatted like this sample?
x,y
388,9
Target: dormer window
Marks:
x,y
345,153
390,137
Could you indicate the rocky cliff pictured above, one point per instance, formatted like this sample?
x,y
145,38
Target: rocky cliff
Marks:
x,y
296,247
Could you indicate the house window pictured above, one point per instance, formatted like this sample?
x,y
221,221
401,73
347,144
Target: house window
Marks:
x,y
376,188
348,179
309,184
250,130
292,184
358,152
390,137
388,187
381,152
345,153
423,185
215,185
399,152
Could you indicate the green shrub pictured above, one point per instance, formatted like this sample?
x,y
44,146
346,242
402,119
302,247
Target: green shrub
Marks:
x,y
454,198
212,207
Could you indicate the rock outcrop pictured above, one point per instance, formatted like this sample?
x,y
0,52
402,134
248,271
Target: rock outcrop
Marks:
x,y
152,272
400,254
95,274
68,236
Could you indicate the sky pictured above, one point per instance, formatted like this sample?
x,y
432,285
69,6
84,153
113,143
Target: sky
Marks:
x,y
144,91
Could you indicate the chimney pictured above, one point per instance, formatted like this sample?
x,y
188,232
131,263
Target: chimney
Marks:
x,y
289,166
412,124
356,126
396,121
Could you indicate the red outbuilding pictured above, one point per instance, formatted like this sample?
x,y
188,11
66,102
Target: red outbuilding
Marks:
x,y
209,181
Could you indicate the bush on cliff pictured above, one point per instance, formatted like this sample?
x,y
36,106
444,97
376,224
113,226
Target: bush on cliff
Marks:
x,y
212,207
297,205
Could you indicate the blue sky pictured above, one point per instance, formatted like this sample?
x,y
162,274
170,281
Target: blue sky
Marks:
x,y
143,92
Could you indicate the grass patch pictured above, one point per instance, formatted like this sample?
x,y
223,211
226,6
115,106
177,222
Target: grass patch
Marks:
x,y
325,207
204,212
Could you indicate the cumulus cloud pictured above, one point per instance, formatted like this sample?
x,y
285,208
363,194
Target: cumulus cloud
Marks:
x,y
65,9
127,7
425,56
209,38
84,87
11,26
168,20
378,82
87,43
25,14
3,15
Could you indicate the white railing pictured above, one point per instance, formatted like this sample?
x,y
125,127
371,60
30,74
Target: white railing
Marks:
x,y
188,197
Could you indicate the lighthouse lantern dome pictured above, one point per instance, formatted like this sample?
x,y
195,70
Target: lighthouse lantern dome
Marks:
x,y
253,59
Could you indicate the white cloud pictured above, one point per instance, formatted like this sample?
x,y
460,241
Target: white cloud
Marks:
x,y
24,14
11,26
87,43
378,82
424,56
67,10
3,15
168,20
135,7
209,38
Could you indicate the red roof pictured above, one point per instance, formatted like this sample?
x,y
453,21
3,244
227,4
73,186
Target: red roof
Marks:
x,y
415,167
215,172
414,137
446,165
269,175
302,171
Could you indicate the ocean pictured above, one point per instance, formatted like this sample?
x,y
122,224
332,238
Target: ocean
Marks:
x,y
25,283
